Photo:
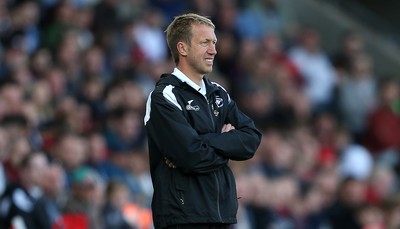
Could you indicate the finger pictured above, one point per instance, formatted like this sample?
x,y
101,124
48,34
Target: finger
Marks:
x,y
224,128
227,127
170,164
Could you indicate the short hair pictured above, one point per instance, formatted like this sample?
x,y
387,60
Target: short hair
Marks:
x,y
180,29
26,161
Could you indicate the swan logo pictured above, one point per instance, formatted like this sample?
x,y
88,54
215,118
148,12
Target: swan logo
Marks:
x,y
191,107
219,101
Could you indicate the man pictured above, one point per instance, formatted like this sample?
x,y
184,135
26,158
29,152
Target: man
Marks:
x,y
18,201
194,129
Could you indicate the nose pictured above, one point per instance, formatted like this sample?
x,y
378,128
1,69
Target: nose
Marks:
x,y
212,49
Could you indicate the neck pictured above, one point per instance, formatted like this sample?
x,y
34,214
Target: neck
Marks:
x,y
195,77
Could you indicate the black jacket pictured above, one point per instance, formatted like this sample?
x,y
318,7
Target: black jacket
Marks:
x,y
17,202
185,127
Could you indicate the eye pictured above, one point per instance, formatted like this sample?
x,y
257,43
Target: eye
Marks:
x,y
208,42
204,43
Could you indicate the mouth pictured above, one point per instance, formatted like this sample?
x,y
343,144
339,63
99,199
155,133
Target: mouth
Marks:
x,y
209,60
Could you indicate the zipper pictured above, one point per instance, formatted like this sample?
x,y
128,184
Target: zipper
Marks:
x,y
218,208
181,198
210,112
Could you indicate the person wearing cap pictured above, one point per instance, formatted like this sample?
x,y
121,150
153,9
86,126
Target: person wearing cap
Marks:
x,y
85,200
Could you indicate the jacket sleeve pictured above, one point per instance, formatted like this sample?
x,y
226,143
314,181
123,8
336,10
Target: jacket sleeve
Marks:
x,y
240,143
178,141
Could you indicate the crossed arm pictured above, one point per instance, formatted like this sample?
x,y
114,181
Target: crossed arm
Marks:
x,y
226,128
182,147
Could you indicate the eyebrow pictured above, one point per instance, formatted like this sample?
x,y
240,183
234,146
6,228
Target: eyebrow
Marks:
x,y
208,40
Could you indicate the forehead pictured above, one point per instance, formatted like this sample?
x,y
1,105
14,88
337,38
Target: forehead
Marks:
x,y
203,31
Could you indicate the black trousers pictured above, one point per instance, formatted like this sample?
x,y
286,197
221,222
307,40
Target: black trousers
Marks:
x,y
200,226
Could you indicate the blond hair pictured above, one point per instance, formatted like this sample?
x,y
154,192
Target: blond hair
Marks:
x,y
180,29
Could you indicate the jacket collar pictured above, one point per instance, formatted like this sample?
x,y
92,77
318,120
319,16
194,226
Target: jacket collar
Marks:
x,y
177,81
180,75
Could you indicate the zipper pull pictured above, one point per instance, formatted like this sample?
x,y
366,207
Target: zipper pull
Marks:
x,y
181,198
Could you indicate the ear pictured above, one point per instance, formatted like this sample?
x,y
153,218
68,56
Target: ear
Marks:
x,y
182,48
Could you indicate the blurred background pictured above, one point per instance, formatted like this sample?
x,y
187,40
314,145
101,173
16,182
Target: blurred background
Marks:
x,y
319,77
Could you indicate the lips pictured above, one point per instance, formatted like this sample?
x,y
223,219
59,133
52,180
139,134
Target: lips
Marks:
x,y
210,61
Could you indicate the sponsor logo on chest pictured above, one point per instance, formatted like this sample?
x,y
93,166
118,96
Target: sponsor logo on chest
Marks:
x,y
191,107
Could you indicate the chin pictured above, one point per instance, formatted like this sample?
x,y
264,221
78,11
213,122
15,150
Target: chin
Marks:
x,y
209,70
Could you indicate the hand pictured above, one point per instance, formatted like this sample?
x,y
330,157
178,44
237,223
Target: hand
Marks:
x,y
169,163
227,127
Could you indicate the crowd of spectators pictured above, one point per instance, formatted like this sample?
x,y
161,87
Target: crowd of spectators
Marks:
x,y
74,78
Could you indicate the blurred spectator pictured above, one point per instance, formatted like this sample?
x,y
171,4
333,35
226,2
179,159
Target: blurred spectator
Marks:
x,y
86,196
47,209
56,79
97,149
327,180
259,19
17,202
123,95
24,34
343,213
357,93
307,210
257,101
391,211
275,154
94,65
83,18
40,62
306,158
354,159
12,95
121,212
117,167
117,194
325,127
149,36
371,217
69,62
254,211
71,151
316,69
123,131
226,61
350,46
273,46
60,19
40,97
139,168
383,125
105,19
284,191
91,94
381,185
17,149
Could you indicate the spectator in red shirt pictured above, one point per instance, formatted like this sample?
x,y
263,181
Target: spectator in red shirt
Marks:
x,y
383,131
